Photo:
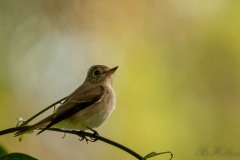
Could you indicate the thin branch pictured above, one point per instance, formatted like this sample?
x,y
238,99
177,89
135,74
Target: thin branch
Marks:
x,y
83,134
11,130
33,117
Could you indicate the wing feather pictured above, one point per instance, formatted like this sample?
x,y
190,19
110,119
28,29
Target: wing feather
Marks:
x,y
77,101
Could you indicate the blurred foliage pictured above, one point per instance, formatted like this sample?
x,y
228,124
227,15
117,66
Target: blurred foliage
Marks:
x,y
16,156
13,156
2,151
177,87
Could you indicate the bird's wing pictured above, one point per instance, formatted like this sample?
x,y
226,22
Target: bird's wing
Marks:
x,y
77,101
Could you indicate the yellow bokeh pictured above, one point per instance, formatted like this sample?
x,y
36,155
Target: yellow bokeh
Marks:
x,y
177,86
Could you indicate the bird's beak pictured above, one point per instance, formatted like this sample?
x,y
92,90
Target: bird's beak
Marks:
x,y
112,70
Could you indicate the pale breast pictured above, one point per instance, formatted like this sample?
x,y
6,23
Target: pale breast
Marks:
x,y
94,115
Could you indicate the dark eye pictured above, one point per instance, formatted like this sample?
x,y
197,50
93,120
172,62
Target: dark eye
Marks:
x,y
96,72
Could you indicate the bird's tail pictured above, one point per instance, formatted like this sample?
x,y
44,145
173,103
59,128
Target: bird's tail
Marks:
x,y
39,124
26,130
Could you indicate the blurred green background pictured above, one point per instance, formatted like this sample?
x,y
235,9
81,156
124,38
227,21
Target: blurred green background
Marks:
x,y
177,86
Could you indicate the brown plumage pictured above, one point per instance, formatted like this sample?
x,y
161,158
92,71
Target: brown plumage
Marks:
x,y
87,107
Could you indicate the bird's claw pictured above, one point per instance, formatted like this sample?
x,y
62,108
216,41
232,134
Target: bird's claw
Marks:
x,y
94,139
81,138
91,138
95,133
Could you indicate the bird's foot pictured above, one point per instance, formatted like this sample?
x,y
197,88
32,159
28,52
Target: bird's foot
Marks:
x,y
82,137
95,133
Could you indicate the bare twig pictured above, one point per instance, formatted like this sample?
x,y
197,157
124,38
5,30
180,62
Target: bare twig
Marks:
x,y
83,134
36,115
95,136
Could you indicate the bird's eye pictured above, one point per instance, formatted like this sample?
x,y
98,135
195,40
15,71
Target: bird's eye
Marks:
x,y
96,72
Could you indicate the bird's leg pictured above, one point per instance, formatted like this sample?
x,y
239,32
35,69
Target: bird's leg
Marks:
x,y
95,133
82,137
92,139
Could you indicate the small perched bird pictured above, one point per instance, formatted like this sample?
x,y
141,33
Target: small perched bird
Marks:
x,y
87,107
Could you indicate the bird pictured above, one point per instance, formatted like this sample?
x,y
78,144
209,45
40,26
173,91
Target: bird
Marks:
x,y
86,108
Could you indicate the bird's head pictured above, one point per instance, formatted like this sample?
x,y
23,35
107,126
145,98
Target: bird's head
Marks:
x,y
100,74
